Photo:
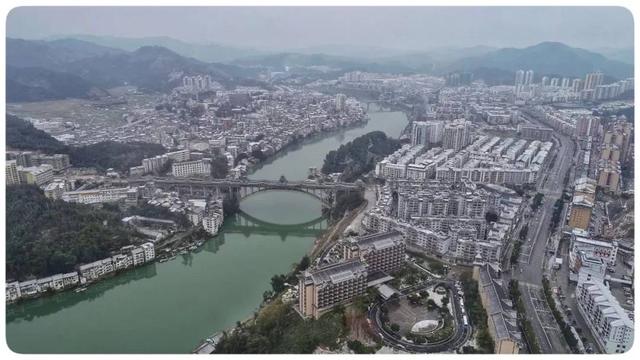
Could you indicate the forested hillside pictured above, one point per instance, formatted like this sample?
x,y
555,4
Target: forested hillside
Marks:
x,y
360,155
46,237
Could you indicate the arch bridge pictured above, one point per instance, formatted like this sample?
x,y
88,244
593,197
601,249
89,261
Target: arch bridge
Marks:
x,y
241,189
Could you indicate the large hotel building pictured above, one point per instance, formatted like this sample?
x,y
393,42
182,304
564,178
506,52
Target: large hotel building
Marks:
x,y
322,288
380,252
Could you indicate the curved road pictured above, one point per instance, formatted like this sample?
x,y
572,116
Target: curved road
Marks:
x,y
461,335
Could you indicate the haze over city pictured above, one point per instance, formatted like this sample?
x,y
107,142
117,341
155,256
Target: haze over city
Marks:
x,y
286,28
320,180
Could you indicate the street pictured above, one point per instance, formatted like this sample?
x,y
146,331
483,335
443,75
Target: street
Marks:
x,y
534,253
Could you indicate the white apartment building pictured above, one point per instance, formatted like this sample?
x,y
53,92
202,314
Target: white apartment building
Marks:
x,y
427,132
58,281
149,251
38,175
13,291
457,134
122,261
608,321
211,223
137,256
179,156
190,168
95,196
12,176
96,269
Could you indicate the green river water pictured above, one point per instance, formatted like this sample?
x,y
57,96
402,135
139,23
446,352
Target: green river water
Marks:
x,y
169,307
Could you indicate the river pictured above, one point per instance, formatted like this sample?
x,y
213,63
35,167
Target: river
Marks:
x,y
169,307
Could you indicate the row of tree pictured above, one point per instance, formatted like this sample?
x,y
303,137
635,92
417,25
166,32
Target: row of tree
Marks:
x,y
523,321
477,314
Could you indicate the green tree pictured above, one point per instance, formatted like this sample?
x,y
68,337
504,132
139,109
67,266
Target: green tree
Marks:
x,y
277,283
491,216
219,167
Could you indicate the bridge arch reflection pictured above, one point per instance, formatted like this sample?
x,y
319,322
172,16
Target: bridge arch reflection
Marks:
x,y
248,224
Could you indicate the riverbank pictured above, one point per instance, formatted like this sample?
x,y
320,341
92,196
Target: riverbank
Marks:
x,y
86,275
221,282
298,143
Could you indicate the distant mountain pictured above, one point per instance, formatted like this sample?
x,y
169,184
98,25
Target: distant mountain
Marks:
x,y
292,60
351,51
152,68
625,54
37,84
204,52
545,58
52,54
47,70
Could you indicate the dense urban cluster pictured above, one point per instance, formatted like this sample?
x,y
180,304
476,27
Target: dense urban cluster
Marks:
x,y
486,184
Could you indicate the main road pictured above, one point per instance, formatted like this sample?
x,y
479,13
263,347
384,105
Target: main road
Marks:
x,y
532,262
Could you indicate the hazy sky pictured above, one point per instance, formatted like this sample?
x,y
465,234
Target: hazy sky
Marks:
x,y
299,27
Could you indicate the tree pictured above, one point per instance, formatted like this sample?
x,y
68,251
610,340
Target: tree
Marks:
x,y
359,155
523,232
431,304
277,283
304,264
258,154
537,201
46,237
394,327
219,167
359,348
445,301
491,216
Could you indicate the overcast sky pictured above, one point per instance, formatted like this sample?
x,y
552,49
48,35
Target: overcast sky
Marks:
x,y
300,27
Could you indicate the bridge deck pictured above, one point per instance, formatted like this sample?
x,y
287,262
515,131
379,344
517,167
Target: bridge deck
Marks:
x,y
242,183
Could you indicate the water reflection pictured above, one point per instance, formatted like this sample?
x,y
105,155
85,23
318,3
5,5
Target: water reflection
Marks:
x,y
240,223
34,308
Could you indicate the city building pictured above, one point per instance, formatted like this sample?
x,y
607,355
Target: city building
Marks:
x,y
37,175
321,289
533,132
609,173
592,80
95,196
519,77
382,252
457,134
341,100
55,189
580,215
426,132
149,251
96,270
501,317
605,250
608,321
191,168
528,77
11,172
